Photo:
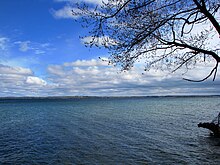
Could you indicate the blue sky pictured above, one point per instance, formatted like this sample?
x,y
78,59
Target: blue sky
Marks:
x,y
42,55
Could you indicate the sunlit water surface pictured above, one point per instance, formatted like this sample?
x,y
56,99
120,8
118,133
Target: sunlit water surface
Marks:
x,y
144,130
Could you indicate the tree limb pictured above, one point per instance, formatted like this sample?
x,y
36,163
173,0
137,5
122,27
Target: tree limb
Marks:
x,y
210,74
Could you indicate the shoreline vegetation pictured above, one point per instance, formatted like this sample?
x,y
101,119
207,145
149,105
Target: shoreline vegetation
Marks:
x,y
83,97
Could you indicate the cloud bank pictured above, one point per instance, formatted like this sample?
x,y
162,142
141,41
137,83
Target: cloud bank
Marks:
x,y
19,81
96,78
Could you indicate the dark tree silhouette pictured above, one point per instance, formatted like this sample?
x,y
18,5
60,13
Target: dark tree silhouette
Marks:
x,y
167,34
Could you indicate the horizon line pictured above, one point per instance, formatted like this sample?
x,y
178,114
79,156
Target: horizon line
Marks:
x,y
69,97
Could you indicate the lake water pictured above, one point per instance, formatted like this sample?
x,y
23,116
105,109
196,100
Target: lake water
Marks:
x,y
142,130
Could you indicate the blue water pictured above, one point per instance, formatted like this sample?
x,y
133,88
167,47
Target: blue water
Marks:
x,y
145,130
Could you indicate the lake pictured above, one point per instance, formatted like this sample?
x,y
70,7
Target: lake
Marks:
x,y
93,130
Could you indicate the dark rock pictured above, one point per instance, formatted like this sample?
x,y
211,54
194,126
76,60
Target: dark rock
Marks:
x,y
212,127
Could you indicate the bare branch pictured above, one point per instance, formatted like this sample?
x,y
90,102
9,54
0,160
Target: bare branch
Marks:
x,y
162,32
207,14
210,74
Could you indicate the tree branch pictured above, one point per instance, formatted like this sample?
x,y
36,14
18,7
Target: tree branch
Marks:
x,y
212,19
214,69
213,54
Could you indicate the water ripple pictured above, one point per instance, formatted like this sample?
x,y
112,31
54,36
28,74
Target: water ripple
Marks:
x,y
107,131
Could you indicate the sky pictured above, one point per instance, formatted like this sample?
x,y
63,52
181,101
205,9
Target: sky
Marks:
x,y
42,54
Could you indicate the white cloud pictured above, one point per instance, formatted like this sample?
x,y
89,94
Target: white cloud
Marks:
x,y
92,62
45,45
56,70
65,12
23,45
19,81
34,47
96,2
35,81
93,77
99,2
4,69
3,43
38,51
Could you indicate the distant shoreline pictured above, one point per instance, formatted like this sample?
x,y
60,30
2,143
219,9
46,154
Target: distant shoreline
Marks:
x,y
83,97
